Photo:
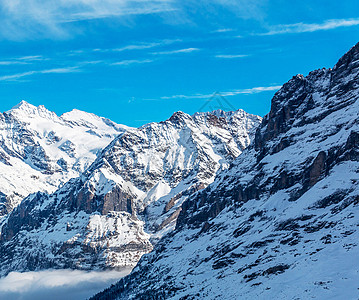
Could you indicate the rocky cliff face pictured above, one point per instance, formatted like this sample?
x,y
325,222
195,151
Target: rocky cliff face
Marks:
x,y
40,151
128,198
283,220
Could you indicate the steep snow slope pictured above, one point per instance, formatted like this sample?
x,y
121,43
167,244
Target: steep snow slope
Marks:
x,y
129,197
283,221
39,150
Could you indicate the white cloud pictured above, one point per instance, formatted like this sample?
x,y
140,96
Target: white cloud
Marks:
x,y
230,56
187,50
23,19
60,70
304,27
22,60
56,284
33,19
223,30
12,62
131,62
138,47
31,58
16,76
253,90
142,46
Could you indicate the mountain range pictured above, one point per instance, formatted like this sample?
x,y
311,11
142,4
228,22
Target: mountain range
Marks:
x,y
127,199
216,205
282,221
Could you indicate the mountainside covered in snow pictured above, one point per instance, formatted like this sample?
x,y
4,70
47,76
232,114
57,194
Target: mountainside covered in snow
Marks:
x,y
128,198
40,150
283,220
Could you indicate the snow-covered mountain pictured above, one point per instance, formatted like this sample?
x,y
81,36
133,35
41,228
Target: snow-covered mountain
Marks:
x,y
128,198
40,150
283,221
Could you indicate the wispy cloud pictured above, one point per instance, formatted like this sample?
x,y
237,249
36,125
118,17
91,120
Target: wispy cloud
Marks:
x,y
132,62
33,19
23,60
138,47
12,62
16,76
132,47
153,7
222,30
91,62
187,50
53,18
141,46
60,70
311,27
31,58
253,90
230,56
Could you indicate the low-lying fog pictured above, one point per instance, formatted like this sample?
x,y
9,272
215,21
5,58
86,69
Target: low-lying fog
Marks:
x,y
56,284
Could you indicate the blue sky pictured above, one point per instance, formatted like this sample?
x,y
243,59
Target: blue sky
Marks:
x,y
137,61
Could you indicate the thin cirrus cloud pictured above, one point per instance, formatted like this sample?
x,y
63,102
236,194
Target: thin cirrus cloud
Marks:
x,y
14,77
311,27
22,60
31,58
138,47
186,50
62,18
12,62
53,18
143,46
253,90
231,56
131,62
222,30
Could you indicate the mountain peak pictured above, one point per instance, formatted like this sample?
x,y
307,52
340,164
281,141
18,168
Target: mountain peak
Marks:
x,y
23,105
77,114
178,117
218,113
348,58
26,109
346,67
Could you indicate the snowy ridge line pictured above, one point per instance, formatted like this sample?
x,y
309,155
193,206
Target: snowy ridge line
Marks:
x,y
128,198
39,150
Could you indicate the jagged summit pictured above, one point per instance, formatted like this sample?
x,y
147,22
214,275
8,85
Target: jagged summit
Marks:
x,y
23,105
179,117
221,113
350,57
39,150
27,110
218,115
